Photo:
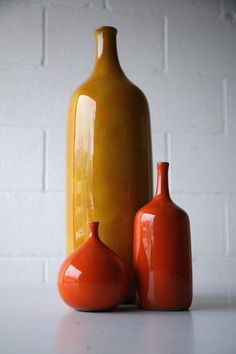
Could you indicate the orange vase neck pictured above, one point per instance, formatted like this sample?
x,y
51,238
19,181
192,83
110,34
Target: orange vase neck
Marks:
x,y
162,180
93,229
106,61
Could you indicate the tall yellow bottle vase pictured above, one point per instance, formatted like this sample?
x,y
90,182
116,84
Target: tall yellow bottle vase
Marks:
x,y
109,163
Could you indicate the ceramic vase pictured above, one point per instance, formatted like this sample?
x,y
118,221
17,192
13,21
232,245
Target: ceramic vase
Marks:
x,y
109,163
162,251
93,278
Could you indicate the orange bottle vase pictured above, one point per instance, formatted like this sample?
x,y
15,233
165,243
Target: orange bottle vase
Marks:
x,y
109,163
93,277
162,251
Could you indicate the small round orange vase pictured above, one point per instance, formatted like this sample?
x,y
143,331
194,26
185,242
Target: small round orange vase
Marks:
x,y
93,277
162,251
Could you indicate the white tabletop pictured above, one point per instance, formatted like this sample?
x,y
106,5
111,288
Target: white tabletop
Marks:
x,y
33,319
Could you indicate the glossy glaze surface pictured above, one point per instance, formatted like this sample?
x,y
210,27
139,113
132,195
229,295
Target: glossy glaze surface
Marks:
x,y
162,251
93,278
109,154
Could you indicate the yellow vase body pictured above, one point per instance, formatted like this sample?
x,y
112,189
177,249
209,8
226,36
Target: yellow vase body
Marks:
x,y
109,162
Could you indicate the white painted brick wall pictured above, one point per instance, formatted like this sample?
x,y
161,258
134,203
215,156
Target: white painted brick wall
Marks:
x,y
55,159
32,224
36,96
231,212
21,270
203,163
73,44
52,267
202,46
21,164
167,7
231,105
207,215
182,54
20,34
182,106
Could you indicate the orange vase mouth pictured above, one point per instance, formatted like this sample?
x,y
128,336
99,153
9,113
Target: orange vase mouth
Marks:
x,y
163,163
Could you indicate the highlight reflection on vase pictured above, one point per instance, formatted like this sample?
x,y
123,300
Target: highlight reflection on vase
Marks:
x,y
83,162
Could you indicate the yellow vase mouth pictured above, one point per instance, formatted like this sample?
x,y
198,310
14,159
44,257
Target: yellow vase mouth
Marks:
x,y
105,29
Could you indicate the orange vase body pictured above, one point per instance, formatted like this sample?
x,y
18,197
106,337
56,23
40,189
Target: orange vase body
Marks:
x,y
162,251
93,278
109,165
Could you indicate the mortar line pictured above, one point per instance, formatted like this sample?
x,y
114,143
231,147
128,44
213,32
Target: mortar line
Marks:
x,y
221,8
44,182
45,271
165,44
226,226
225,110
106,5
168,147
45,37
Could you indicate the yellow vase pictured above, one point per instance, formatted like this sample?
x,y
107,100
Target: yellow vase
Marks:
x,y
109,162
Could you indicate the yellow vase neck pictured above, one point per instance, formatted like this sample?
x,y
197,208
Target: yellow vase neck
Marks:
x,y
106,61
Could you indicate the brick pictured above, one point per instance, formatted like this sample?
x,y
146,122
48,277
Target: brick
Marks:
x,y
73,44
55,160
184,104
188,104
197,45
231,106
231,206
37,97
214,271
53,266
188,7
21,154
206,215
192,8
203,163
159,150
18,270
32,224
20,34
